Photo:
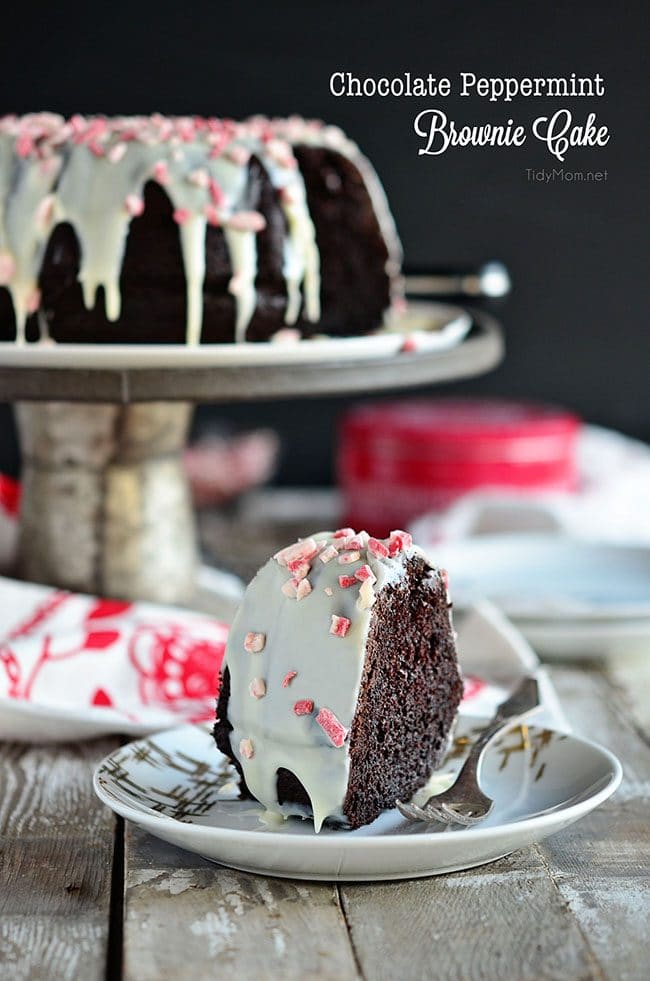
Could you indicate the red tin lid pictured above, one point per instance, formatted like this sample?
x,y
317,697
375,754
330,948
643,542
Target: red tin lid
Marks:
x,y
9,495
465,424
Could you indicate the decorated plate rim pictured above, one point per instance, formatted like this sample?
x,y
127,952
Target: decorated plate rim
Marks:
x,y
160,821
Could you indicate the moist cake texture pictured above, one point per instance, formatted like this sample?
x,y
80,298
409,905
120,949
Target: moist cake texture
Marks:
x,y
340,683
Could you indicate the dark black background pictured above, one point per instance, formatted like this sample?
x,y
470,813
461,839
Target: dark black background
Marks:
x,y
576,323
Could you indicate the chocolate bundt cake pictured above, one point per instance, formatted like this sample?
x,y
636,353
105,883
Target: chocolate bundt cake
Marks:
x,y
173,230
340,684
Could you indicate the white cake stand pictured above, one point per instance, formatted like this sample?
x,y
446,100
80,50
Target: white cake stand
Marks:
x,y
106,507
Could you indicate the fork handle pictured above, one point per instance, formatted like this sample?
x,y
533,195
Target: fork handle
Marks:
x,y
470,766
523,701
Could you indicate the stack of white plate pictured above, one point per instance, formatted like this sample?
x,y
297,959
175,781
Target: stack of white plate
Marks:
x,y
569,598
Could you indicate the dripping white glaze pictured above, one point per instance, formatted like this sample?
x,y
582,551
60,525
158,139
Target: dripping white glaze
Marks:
x,y
243,257
91,172
328,671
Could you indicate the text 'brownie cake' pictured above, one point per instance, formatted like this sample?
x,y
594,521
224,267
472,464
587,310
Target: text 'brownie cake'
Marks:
x,y
184,229
340,683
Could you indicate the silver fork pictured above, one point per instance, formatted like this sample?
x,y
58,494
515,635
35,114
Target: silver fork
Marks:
x,y
464,802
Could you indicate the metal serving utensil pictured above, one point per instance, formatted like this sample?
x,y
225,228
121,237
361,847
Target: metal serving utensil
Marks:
x,y
464,802
490,281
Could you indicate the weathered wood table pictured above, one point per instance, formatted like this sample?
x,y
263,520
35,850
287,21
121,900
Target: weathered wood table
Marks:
x,y
82,896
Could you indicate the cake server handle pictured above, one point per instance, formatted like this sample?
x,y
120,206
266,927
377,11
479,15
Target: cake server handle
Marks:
x,y
489,281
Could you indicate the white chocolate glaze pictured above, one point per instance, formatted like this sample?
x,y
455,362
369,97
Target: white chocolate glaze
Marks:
x,y
286,645
91,172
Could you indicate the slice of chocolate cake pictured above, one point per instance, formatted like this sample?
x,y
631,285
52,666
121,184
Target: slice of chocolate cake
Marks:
x,y
341,683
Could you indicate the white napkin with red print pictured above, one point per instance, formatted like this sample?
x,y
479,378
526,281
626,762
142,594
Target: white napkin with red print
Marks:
x,y
105,665
74,666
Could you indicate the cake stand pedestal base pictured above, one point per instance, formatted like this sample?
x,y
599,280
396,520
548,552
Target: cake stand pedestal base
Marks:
x,y
106,505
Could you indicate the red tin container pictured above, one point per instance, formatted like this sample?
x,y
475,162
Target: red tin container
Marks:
x,y
397,460
9,496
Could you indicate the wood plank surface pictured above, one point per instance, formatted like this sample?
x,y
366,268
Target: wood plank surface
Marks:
x,y
601,865
185,917
629,673
56,857
501,921
574,906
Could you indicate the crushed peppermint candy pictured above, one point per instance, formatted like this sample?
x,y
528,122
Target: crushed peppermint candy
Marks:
x,y
356,541
377,548
257,688
303,706
24,145
286,335
216,194
329,590
304,551
246,749
7,270
409,344
239,155
298,568
134,205
116,152
213,215
344,533
33,301
328,554
333,729
349,557
181,216
398,541
199,177
346,581
365,574
247,221
254,642
161,172
237,284
288,678
303,589
339,625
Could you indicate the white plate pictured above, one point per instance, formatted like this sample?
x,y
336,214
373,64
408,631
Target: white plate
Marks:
x,y
169,785
568,597
437,327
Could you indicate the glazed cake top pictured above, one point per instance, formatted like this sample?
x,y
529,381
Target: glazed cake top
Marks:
x,y
295,654
91,172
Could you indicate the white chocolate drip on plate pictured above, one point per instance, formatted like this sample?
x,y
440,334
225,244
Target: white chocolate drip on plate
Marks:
x,y
92,172
304,647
